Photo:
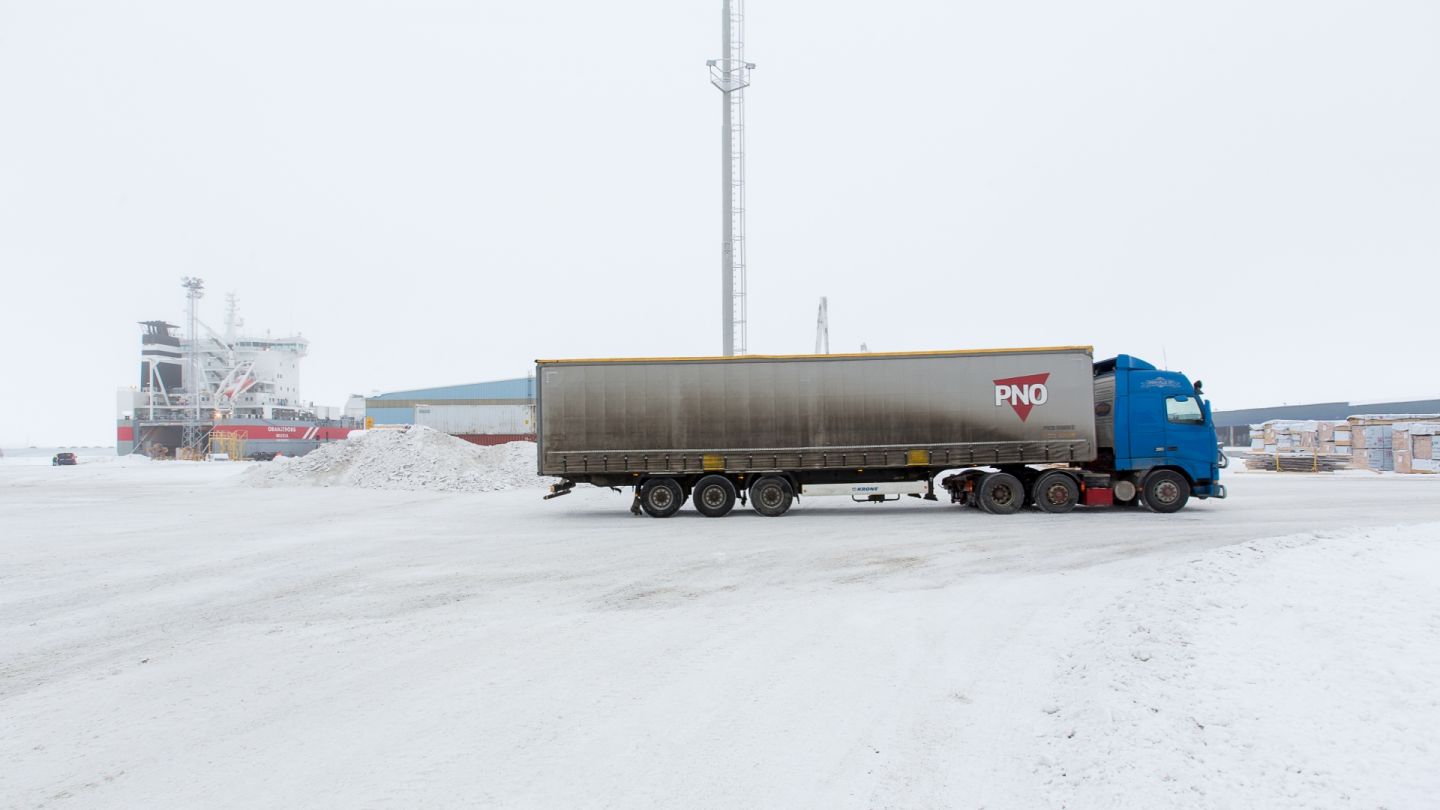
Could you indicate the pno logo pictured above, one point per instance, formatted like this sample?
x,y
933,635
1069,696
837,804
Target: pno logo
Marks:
x,y
1022,393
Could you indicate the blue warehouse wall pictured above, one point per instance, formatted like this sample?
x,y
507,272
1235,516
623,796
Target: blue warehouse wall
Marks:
x,y
398,407
518,388
391,416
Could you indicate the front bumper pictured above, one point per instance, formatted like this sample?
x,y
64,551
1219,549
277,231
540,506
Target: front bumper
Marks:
x,y
1210,491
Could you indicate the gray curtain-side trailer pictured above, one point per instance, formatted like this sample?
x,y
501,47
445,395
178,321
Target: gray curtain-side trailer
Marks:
x,y
776,426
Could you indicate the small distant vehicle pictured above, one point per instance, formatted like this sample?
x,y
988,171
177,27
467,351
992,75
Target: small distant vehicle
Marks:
x,y
64,460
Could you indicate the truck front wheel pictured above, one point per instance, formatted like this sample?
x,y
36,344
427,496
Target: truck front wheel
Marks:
x,y
714,496
771,496
1001,493
1166,491
661,497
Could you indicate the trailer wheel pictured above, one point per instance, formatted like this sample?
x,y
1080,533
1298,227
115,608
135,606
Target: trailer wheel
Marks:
x,y
771,496
1056,492
1001,493
1166,491
714,496
661,497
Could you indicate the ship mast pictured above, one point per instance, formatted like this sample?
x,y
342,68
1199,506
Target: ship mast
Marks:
x,y
233,321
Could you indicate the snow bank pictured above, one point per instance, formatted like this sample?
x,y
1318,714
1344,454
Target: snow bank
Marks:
x,y
418,458
130,460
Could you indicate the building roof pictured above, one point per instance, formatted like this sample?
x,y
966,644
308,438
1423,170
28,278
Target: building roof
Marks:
x,y
518,388
1327,411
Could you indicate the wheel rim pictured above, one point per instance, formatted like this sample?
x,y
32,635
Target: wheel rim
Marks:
x,y
1057,495
1001,494
771,496
661,497
1167,492
713,497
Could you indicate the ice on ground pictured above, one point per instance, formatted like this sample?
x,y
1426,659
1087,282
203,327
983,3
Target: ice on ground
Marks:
x,y
417,458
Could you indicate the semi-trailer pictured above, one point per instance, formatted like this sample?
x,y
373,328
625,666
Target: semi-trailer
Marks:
x,y
1043,427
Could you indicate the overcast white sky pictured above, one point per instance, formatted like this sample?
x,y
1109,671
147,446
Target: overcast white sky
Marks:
x,y
440,192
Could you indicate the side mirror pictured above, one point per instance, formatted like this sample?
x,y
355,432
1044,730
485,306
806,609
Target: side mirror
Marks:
x,y
1199,388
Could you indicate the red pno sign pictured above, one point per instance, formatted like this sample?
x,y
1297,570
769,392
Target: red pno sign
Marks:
x,y
1022,393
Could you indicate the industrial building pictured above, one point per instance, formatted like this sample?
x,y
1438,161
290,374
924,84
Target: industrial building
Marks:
x,y
483,413
1233,427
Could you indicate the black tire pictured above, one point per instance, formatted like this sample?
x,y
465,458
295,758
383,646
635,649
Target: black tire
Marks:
x,y
1056,492
1165,491
661,497
771,496
1001,494
714,496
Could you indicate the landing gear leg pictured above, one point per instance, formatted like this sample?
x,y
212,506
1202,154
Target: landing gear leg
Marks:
x,y
635,504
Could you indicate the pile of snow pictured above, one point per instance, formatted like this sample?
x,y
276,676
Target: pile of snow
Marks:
x,y
417,458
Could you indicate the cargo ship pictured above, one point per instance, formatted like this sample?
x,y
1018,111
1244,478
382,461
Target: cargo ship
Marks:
x,y
210,393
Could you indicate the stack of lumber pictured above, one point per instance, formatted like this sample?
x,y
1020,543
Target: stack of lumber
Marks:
x,y
1405,443
1296,462
1287,445
1417,447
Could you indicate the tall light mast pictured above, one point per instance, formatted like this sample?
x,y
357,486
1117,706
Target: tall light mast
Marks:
x,y
191,433
822,327
731,74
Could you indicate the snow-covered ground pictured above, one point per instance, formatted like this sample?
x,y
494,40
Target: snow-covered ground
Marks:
x,y
172,638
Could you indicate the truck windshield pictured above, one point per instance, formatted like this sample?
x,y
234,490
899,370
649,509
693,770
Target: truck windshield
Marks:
x,y
1184,411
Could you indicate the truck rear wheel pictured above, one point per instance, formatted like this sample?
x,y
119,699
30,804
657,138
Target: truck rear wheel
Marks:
x,y
661,497
1056,492
1166,491
1001,493
771,496
714,496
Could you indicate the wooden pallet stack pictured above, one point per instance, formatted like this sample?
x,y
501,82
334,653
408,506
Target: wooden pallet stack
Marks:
x,y
1299,446
1417,447
1404,443
1296,462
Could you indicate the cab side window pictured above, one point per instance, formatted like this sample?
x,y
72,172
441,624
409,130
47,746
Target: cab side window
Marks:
x,y
1183,411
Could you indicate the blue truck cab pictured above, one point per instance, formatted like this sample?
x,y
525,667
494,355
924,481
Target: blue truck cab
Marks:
x,y
1155,435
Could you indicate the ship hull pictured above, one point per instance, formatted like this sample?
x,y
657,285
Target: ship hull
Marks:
x,y
289,437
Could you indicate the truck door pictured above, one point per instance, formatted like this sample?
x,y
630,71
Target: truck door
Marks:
x,y
1189,438
1144,424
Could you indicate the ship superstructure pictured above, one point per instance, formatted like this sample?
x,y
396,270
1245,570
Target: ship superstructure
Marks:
x,y
212,388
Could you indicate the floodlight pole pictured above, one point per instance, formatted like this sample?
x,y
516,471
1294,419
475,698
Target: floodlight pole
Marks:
x,y
731,75
194,291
